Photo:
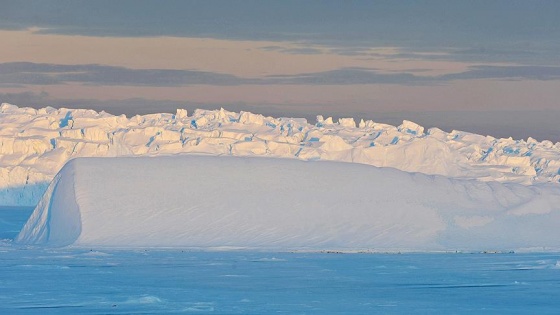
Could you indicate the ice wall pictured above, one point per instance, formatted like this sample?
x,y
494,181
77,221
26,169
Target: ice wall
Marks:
x,y
270,203
35,144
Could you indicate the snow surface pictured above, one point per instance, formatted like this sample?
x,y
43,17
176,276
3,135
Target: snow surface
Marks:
x,y
35,144
285,204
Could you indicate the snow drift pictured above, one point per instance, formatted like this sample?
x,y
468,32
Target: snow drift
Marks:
x,y
36,143
267,203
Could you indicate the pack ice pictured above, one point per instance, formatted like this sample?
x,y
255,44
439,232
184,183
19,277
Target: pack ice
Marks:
x,y
35,144
286,204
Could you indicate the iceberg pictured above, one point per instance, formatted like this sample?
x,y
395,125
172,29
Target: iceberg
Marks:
x,y
201,201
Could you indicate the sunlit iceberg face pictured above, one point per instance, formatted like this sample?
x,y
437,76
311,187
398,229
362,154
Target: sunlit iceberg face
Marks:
x,y
284,204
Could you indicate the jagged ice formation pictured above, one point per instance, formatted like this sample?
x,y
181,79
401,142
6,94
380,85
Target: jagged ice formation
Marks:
x,y
35,144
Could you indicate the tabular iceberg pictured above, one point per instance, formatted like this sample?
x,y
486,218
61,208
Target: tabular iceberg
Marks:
x,y
285,204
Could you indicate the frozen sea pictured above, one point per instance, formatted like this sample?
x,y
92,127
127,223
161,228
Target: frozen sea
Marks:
x,y
101,281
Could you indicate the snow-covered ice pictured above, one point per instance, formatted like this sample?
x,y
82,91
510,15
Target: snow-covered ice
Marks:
x,y
286,204
36,143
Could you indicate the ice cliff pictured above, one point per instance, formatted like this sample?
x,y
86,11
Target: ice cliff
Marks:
x,y
285,204
35,144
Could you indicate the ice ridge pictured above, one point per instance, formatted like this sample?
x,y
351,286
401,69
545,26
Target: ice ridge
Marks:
x,y
36,143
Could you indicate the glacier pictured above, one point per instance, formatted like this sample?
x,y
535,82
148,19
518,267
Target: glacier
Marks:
x,y
36,143
260,203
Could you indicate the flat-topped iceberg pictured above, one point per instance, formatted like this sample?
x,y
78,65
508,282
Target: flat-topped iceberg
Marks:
x,y
286,204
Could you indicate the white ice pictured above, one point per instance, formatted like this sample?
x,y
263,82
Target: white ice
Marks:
x,y
286,204
35,144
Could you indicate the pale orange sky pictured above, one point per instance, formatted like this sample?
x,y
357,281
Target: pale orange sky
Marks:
x,y
241,58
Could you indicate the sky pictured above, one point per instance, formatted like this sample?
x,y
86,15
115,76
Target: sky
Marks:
x,y
490,67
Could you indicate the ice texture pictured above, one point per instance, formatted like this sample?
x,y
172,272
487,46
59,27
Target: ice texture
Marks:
x,y
36,143
285,204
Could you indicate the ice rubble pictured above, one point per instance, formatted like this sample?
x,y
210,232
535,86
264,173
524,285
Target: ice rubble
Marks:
x,y
270,203
35,144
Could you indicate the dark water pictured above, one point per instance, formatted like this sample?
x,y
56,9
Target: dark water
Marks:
x,y
101,281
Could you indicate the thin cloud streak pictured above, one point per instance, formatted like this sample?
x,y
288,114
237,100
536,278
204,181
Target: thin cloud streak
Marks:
x,y
543,73
25,73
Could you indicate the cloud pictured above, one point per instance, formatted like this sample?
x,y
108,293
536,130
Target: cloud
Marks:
x,y
294,50
479,30
26,73
541,54
543,73
366,21
350,76
544,53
